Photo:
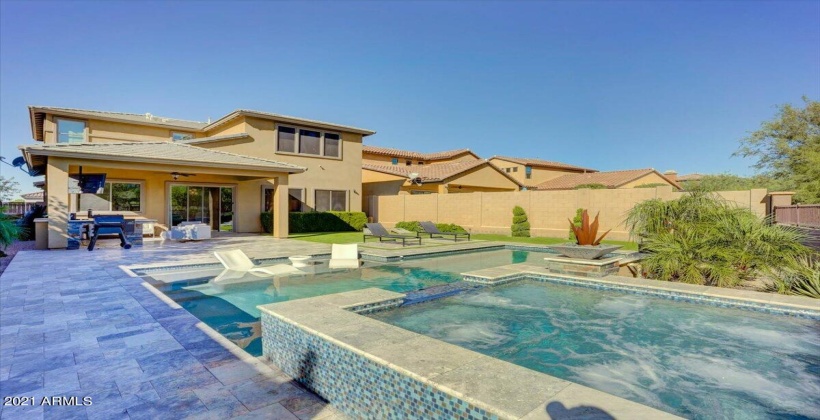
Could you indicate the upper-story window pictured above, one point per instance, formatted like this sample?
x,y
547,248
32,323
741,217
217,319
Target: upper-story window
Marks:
x,y
408,162
528,171
70,131
395,161
515,169
179,135
308,142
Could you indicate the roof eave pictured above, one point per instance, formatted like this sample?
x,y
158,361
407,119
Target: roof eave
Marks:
x,y
67,154
81,116
293,120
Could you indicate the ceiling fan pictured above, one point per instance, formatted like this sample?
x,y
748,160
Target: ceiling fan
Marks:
x,y
176,175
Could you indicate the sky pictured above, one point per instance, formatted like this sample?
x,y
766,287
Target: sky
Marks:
x,y
608,85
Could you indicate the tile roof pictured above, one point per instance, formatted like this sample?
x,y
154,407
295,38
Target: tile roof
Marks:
x,y
37,195
288,118
38,115
428,173
214,139
125,116
610,179
389,151
539,163
158,152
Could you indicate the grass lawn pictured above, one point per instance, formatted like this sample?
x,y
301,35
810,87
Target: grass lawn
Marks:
x,y
329,237
356,237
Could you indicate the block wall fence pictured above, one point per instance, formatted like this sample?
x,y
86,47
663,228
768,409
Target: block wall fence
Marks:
x,y
548,211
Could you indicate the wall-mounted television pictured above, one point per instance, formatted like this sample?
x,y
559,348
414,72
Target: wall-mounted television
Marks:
x,y
86,183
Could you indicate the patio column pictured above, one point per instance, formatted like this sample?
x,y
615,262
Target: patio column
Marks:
x,y
280,207
57,202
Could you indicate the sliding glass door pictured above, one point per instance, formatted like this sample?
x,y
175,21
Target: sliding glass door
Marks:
x,y
212,205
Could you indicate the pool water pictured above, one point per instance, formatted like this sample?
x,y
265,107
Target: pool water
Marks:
x,y
693,360
231,309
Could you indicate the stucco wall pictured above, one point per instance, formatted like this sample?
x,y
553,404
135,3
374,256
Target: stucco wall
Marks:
x,y
548,211
322,173
101,131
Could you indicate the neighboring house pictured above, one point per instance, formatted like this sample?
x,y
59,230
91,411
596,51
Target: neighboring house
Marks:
x,y
33,197
396,157
531,172
611,179
387,171
224,173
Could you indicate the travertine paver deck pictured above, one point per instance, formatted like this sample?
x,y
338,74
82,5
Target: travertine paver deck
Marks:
x,y
72,323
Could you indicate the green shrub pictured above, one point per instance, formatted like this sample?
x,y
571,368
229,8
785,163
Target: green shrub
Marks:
x,y
330,221
450,227
267,221
415,226
520,226
652,185
577,222
701,239
591,187
803,279
9,231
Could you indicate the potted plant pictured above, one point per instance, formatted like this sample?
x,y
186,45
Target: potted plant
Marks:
x,y
587,244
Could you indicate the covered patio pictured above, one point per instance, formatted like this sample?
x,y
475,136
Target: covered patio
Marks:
x,y
163,182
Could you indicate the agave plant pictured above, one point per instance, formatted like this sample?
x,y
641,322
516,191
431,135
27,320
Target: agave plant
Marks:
x,y
585,234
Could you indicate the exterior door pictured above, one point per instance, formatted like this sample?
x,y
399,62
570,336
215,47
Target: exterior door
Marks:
x,y
212,205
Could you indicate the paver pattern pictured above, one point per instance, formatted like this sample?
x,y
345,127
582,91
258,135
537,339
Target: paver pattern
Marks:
x,y
74,324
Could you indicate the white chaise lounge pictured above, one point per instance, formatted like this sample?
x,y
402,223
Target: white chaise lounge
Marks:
x,y
344,256
237,264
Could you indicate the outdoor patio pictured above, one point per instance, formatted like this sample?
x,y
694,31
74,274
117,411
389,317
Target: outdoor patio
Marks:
x,y
73,323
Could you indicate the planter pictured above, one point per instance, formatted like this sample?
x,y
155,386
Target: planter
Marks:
x,y
583,252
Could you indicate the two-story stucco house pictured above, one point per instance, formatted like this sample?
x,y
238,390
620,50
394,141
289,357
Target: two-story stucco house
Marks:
x,y
224,173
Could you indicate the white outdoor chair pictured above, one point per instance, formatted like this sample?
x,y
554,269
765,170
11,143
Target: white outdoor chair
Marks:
x,y
237,264
344,256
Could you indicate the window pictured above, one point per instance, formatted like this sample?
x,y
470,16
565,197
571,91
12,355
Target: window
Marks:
x,y
116,196
178,135
308,142
295,200
332,144
515,169
327,200
421,163
395,161
528,171
419,192
286,141
408,162
70,131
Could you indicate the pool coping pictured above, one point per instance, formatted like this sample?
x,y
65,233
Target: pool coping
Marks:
x,y
383,256
504,389
800,306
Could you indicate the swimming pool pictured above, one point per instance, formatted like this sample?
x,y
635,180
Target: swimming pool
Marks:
x,y
694,360
231,309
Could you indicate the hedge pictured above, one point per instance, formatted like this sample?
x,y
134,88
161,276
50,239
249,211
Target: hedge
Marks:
x,y
328,221
414,226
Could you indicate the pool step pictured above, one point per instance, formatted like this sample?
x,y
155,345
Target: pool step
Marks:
x,y
438,292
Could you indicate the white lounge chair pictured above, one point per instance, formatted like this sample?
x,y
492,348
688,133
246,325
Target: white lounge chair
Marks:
x,y
344,256
237,264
